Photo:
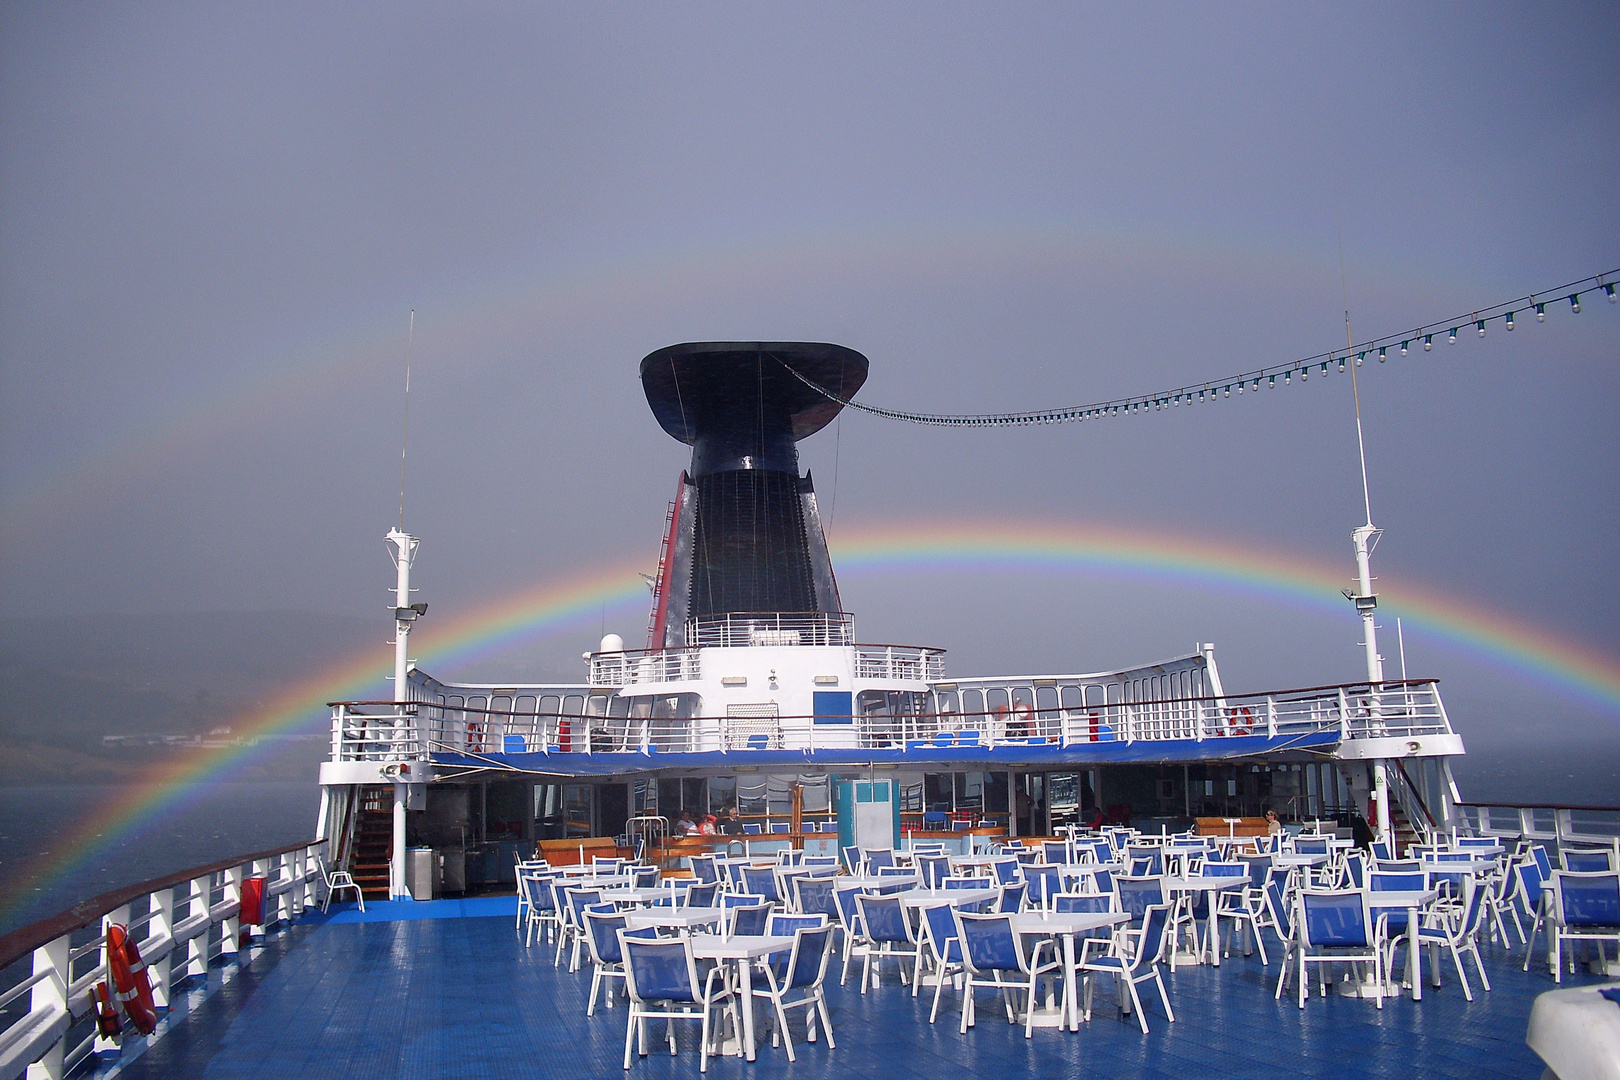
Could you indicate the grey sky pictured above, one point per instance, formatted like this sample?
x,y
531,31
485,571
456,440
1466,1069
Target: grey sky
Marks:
x,y
213,220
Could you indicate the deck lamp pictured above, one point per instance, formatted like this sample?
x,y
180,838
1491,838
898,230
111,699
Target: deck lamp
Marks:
x,y
1510,320
1453,335
1404,344
1383,354
1480,325
1428,342
1608,290
1575,302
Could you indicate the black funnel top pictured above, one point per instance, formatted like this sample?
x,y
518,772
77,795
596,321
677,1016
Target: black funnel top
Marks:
x,y
738,407
756,543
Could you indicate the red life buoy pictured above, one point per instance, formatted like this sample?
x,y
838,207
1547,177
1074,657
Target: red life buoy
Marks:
x,y
129,976
475,736
108,1025
1240,721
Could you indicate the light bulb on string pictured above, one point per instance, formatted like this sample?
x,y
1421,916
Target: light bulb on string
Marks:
x,y
1608,290
1383,354
1341,363
1404,344
1541,313
1324,367
1510,320
1272,383
1288,377
1256,385
1360,356
1480,325
1428,342
1305,374
1453,339
1228,392
1575,302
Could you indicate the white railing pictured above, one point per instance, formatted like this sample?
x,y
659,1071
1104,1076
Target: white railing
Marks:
x,y
181,924
363,731
637,667
1576,825
383,731
899,662
741,629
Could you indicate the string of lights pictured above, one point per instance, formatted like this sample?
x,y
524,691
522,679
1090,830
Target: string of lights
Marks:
x,y
1270,376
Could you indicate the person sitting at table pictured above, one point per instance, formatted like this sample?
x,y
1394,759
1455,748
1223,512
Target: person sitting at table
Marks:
x,y
684,824
708,826
1273,826
732,824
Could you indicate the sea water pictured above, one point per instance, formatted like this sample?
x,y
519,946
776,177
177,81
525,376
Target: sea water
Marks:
x,y
60,844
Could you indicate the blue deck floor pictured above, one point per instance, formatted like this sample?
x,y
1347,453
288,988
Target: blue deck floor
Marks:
x,y
457,995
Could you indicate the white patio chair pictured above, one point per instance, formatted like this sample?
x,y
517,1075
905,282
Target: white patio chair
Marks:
x,y
336,880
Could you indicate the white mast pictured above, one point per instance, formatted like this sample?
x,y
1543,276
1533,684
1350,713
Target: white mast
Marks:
x,y
402,549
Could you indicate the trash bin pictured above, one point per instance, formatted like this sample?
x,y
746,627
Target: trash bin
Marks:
x,y
252,913
422,872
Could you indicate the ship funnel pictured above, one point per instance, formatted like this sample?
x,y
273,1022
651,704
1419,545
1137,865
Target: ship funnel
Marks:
x,y
745,535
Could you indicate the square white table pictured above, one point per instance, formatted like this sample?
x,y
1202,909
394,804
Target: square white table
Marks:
x,y
638,895
741,951
673,917
1211,884
1414,901
1066,925
921,898
869,881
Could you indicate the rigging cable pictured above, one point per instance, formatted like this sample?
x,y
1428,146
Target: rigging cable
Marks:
x,y
1218,388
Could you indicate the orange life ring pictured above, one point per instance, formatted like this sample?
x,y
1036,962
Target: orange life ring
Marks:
x,y
1240,721
1023,722
108,1025
475,736
129,976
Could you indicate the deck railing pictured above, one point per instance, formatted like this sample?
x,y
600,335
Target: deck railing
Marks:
x,y
376,731
181,923
742,629
1561,824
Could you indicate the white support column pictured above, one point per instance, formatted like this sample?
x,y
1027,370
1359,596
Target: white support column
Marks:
x,y
396,859
1380,793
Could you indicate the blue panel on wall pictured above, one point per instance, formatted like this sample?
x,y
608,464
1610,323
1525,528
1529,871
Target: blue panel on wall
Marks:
x,y
834,706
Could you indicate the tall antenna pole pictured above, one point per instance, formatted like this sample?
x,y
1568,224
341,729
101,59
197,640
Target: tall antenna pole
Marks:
x,y
1364,539
405,428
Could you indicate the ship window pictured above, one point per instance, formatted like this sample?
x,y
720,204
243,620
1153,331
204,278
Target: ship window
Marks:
x,y
573,705
973,704
722,792
751,795
995,793
945,703
1046,699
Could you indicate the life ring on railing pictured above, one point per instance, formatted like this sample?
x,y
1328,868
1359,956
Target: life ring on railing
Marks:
x,y
475,736
129,976
1240,720
108,1025
1022,724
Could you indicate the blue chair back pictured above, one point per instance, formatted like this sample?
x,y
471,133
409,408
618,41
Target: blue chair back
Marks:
x,y
787,925
1311,845
1137,895
1104,880
703,868
1335,919
1383,849
1276,900
761,881
1259,870
659,969
1539,853
1587,862
884,918
1530,880
781,826
1012,898
940,925
812,946
877,861
815,896
1380,881
701,895
989,942
1044,882
540,895
604,927
933,869
579,900
1587,899
1086,903
849,912
749,921
852,859
1154,922
1154,857
751,828
1356,864
965,883
1056,852
820,860
1006,870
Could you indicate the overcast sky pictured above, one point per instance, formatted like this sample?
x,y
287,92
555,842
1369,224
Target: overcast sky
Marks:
x,y
214,220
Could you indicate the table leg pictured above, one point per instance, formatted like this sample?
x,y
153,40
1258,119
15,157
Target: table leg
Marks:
x,y
1214,930
745,983
1414,972
1070,992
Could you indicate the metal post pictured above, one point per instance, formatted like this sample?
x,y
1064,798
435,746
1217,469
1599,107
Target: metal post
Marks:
x,y
396,860
1381,794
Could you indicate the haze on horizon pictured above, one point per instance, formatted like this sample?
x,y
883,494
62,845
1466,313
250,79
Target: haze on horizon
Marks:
x,y
214,222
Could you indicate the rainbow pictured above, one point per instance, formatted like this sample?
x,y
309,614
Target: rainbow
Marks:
x,y
1198,563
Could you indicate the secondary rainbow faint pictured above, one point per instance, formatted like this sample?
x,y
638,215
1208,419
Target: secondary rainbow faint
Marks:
x,y
1195,563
